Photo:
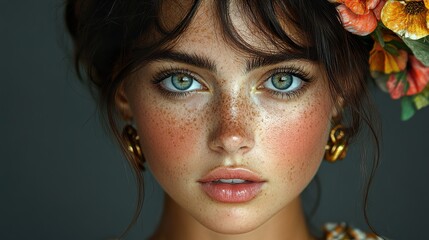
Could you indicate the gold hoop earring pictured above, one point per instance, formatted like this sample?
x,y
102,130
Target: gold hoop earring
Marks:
x,y
336,148
129,134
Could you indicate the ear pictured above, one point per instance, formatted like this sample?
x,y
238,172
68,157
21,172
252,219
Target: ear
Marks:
x,y
122,104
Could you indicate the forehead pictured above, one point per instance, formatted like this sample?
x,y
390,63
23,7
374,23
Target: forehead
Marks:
x,y
208,26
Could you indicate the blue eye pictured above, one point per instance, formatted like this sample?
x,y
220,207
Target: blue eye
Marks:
x,y
283,82
180,82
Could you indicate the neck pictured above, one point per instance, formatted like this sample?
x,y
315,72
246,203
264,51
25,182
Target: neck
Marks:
x,y
287,224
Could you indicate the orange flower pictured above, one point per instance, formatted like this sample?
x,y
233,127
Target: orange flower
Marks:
x,y
358,16
417,76
417,79
359,7
382,61
407,18
378,8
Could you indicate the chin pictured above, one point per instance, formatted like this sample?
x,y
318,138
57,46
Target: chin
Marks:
x,y
232,222
232,228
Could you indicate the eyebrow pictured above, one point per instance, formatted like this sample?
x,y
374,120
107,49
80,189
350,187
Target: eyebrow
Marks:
x,y
209,64
262,61
191,59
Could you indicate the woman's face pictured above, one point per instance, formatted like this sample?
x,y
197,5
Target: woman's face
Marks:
x,y
232,139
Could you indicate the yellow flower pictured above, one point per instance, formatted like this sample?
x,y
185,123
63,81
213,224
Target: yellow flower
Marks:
x,y
407,18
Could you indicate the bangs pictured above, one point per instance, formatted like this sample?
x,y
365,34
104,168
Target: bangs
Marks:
x,y
291,29
274,24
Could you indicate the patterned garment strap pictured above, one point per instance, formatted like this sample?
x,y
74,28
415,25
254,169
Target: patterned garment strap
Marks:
x,y
341,231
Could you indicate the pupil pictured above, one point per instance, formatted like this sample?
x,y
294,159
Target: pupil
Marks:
x,y
182,81
282,81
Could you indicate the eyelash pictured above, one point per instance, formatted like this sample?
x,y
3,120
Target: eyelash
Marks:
x,y
164,73
295,71
299,72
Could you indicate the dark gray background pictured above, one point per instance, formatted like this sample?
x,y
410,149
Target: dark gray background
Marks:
x,y
62,177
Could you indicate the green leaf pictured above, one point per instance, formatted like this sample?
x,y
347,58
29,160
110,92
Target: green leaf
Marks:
x,y
378,36
420,49
408,109
401,77
421,100
391,49
400,45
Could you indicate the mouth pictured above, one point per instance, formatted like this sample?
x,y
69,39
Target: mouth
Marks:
x,y
231,185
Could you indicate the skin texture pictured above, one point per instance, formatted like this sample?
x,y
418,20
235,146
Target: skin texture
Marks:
x,y
231,120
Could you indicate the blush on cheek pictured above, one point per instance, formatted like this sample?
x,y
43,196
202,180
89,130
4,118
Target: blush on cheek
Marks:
x,y
167,139
299,140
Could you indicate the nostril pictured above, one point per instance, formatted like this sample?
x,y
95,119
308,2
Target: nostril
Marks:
x,y
228,142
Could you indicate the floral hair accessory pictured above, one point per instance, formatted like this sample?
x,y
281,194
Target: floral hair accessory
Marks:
x,y
399,59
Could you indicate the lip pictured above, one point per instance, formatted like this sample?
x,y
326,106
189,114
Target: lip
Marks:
x,y
231,192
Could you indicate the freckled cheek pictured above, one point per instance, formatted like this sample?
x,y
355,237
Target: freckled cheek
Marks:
x,y
297,142
169,140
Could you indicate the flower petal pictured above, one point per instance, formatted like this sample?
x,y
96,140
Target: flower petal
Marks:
x,y
417,27
378,8
392,11
395,17
395,63
357,24
356,6
427,17
371,4
417,77
360,7
395,87
376,59
387,59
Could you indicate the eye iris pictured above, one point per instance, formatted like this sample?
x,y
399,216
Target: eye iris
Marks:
x,y
181,81
282,81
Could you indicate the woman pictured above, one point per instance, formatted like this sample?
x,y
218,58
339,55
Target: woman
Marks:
x,y
232,105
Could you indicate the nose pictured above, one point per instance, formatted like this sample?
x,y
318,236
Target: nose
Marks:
x,y
233,123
